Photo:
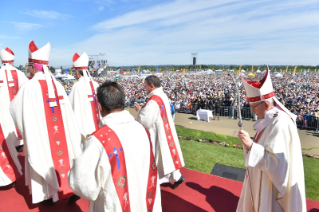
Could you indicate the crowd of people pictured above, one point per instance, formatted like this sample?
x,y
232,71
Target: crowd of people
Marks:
x,y
193,91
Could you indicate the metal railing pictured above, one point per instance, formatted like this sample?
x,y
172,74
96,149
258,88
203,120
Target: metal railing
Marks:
x,y
310,122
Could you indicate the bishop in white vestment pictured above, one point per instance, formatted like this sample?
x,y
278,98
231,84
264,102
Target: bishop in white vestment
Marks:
x,y
42,112
83,96
156,117
11,79
117,170
275,175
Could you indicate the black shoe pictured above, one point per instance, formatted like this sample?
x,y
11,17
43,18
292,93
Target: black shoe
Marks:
x,y
180,181
74,198
19,148
48,202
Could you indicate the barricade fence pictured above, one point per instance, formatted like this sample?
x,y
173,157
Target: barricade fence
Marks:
x,y
307,122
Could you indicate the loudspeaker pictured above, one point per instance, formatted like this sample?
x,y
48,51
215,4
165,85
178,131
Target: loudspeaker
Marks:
x,y
229,172
194,61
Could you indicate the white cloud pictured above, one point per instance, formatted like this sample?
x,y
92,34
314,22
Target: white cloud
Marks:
x,y
23,26
229,31
101,8
44,14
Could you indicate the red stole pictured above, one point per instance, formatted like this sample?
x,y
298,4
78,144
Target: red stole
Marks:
x,y
257,136
169,136
95,109
6,162
115,152
13,88
152,179
57,139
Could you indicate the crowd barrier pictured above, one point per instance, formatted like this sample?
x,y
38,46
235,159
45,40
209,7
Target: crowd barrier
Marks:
x,y
308,122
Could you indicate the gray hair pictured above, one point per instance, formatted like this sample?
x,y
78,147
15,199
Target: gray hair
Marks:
x,y
270,101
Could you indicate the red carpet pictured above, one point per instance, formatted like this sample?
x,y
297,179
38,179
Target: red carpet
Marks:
x,y
200,192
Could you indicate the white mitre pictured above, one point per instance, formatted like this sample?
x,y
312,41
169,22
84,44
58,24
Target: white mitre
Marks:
x,y
81,63
6,55
258,91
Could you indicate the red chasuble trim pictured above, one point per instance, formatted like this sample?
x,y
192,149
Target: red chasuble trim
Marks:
x,y
13,90
256,138
57,139
168,132
6,162
115,152
152,179
95,109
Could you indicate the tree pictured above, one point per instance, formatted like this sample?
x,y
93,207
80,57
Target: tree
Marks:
x,y
52,69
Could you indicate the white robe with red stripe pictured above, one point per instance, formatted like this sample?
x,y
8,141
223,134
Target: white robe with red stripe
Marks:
x,y
275,166
151,118
91,177
28,112
10,139
5,98
82,107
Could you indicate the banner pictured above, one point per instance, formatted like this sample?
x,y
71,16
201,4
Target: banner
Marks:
x,y
238,72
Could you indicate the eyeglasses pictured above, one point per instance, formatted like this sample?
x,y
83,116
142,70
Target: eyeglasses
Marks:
x,y
253,107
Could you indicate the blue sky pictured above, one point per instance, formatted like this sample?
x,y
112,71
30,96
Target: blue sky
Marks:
x,y
134,32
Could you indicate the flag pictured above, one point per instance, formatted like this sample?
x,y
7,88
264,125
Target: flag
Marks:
x,y
118,71
71,73
139,68
157,70
304,73
238,72
287,69
252,69
183,71
295,70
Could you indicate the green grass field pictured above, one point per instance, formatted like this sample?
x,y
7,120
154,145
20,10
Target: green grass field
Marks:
x,y
203,156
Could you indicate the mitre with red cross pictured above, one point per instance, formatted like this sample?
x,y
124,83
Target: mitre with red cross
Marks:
x,y
258,91
81,62
39,56
6,55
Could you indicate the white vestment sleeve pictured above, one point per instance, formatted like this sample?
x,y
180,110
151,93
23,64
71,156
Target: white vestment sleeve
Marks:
x,y
273,157
147,116
85,177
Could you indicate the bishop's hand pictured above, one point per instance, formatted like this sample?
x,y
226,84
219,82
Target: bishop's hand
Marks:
x,y
245,139
137,107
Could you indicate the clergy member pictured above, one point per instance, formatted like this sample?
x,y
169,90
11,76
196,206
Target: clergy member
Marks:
x,y
83,98
117,170
156,117
275,175
44,116
11,79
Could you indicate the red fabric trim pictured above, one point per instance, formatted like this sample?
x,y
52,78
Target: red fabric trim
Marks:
x,y
257,84
6,162
75,57
13,91
256,138
152,179
1,81
95,109
7,61
58,143
39,61
81,68
32,47
257,98
115,153
169,136
9,50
